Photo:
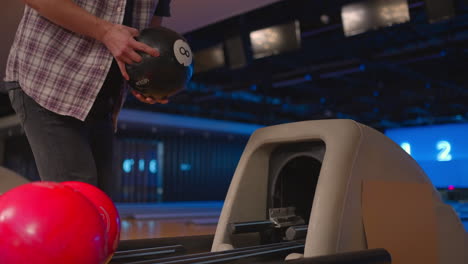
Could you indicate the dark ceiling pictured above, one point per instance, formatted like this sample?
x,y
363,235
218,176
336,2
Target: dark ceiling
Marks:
x,y
408,74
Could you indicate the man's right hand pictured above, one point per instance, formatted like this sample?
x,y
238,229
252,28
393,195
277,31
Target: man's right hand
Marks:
x,y
119,39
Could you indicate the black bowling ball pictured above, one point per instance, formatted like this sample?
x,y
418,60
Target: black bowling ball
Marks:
x,y
162,76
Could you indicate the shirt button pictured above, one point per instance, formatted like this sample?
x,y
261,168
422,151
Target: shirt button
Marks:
x,y
102,68
119,9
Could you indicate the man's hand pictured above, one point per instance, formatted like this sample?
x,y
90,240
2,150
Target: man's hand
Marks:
x,y
148,100
155,22
119,39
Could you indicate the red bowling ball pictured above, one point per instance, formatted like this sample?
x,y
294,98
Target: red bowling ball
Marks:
x,y
106,208
45,222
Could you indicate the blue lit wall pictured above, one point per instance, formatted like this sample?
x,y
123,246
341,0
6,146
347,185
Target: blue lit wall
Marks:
x,y
137,170
170,166
442,151
167,158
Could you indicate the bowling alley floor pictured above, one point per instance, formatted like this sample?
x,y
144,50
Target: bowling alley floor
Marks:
x,y
142,221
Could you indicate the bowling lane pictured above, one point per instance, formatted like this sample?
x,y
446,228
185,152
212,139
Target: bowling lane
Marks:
x,y
142,221
188,219
150,228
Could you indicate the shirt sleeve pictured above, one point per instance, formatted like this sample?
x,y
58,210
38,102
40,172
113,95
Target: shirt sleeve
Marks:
x,y
163,8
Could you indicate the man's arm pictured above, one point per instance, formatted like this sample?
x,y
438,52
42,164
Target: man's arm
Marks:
x,y
72,17
117,38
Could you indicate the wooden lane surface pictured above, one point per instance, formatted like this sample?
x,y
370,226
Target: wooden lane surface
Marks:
x,y
148,228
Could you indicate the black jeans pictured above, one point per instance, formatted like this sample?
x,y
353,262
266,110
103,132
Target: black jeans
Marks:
x,y
68,149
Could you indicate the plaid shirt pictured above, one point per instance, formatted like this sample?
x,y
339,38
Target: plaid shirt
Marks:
x,y
63,71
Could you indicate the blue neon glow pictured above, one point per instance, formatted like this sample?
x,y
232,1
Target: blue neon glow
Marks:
x,y
442,151
406,146
127,165
444,148
177,121
276,101
141,165
185,167
153,166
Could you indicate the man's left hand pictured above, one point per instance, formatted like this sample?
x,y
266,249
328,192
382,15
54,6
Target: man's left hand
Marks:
x,y
148,100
